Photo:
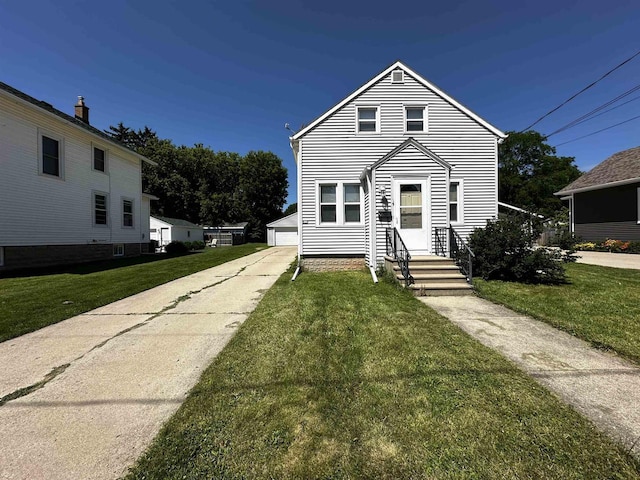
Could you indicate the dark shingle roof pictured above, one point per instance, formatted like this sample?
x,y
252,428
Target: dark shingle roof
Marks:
x,y
79,123
176,222
618,167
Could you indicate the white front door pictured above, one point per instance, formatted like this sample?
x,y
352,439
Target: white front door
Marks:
x,y
411,214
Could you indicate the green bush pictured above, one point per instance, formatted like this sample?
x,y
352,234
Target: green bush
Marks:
x,y
565,239
197,245
504,251
188,245
634,247
176,248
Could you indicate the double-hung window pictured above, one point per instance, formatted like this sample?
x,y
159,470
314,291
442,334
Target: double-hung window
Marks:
x,y
100,209
127,212
328,204
367,119
455,201
351,203
415,119
99,159
51,156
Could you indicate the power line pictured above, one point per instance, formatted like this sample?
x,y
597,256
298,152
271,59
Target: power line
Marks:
x,y
582,91
591,114
598,131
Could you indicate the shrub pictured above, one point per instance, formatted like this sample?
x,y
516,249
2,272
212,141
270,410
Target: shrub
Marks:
x,y
188,245
176,248
564,239
197,245
586,246
504,251
634,247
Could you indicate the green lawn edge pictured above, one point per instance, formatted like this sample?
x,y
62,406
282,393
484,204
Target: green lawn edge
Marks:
x,y
333,376
600,305
31,302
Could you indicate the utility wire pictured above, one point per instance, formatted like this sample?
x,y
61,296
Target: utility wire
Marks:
x,y
581,91
592,113
598,131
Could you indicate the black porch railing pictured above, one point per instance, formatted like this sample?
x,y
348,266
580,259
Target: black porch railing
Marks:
x,y
398,250
458,250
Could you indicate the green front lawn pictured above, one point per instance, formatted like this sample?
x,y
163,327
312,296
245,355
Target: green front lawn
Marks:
x,y
600,305
28,303
335,377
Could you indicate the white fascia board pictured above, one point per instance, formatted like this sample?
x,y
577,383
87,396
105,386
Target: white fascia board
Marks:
x,y
161,221
33,107
421,80
599,187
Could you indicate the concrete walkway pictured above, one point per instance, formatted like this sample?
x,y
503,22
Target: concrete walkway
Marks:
x,y
605,259
113,376
601,386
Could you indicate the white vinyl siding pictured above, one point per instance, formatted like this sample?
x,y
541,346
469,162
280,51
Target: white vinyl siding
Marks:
x,y
68,218
330,151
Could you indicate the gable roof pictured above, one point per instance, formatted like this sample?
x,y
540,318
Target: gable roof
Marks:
x,y
47,107
619,169
288,221
410,142
419,79
175,222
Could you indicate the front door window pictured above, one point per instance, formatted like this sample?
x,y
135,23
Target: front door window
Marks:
x,y
410,206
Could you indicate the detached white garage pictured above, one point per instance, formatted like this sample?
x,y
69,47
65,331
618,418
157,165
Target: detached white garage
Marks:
x,y
283,231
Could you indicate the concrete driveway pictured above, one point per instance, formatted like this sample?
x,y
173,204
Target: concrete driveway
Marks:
x,y
85,397
605,259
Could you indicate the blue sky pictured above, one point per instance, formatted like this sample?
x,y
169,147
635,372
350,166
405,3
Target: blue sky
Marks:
x,y
230,74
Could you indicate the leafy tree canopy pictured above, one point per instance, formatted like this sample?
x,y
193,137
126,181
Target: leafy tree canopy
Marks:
x,y
207,187
292,208
530,172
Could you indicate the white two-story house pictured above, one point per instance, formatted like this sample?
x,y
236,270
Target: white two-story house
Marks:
x,y
398,153
68,192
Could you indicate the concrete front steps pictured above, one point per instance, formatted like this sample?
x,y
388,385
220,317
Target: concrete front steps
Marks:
x,y
433,276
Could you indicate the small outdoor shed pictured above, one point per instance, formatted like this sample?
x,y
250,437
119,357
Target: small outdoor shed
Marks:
x,y
283,231
166,230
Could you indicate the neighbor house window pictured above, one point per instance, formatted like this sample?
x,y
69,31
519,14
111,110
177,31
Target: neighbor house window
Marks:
x,y
99,159
51,156
118,249
1,256
127,212
100,212
415,120
455,201
367,119
352,203
328,204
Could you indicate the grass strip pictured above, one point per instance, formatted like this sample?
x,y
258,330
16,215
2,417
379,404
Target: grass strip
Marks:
x,y
599,304
28,303
335,377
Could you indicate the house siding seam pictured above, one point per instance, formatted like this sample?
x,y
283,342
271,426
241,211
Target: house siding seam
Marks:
x,y
40,210
333,151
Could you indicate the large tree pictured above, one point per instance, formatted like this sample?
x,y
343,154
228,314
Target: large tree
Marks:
x,y
530,172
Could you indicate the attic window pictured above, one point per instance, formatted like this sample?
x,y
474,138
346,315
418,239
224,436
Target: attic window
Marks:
x,y
397,76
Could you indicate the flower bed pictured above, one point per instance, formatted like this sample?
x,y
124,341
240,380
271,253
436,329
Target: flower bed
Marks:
x,y
609,245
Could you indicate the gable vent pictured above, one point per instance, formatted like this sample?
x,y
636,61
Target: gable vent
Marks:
x,y
397,76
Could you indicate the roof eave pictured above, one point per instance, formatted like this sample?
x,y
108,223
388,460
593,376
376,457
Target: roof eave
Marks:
x,y
598,187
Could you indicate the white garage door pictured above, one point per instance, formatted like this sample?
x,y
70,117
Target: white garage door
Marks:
x,y
286,236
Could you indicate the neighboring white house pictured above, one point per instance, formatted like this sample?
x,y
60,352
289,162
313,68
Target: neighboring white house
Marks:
x,y
68,192
283,231
397,153
165,230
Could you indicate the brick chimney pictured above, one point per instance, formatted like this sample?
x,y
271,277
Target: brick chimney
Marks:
x,y
82,111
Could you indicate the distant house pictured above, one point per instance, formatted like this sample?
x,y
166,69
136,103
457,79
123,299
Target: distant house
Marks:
x,y
396,157
165,230
68,192
227,233
283,231
604,201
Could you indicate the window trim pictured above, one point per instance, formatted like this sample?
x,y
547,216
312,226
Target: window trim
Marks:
x,y
320,203
345,203
93,159
58,138
119,248
340,203
460,201
93,209
133,210
377,119
425,116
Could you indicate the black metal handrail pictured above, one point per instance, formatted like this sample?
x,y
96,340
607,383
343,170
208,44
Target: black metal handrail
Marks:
x,y
398,250
458,250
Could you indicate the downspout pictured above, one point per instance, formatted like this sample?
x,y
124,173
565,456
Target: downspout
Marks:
x,y
372,228
297,157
